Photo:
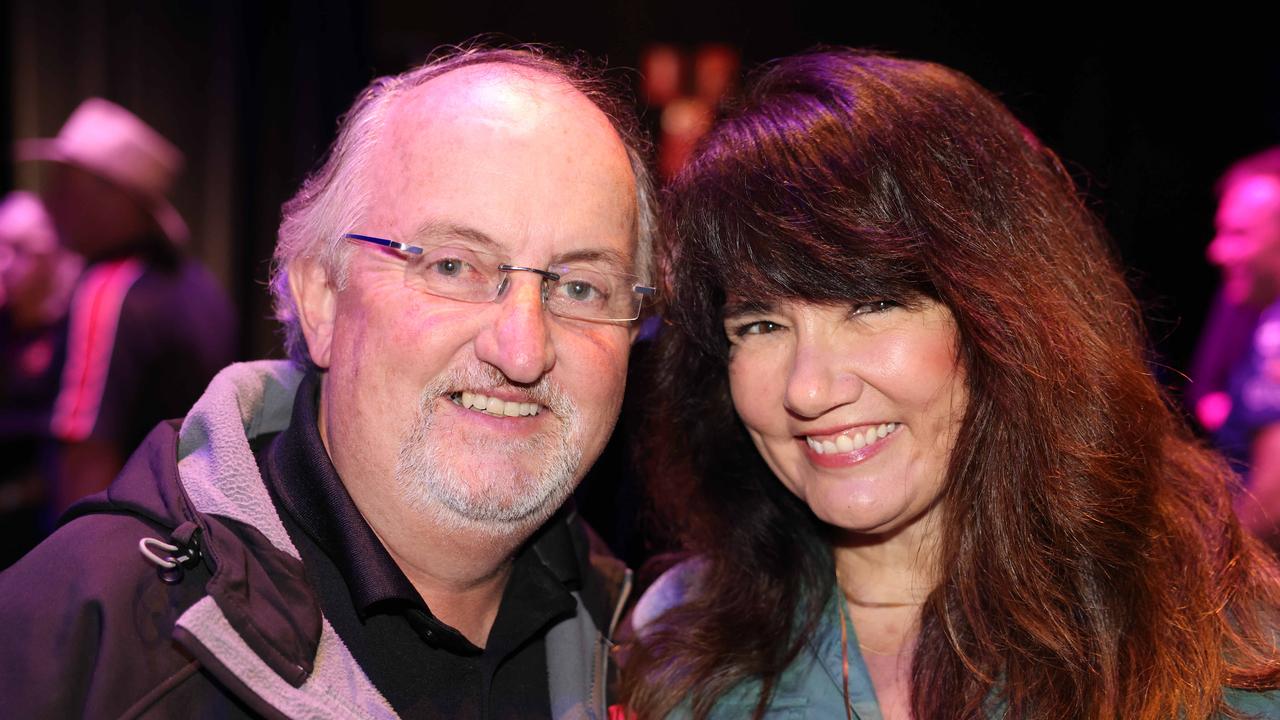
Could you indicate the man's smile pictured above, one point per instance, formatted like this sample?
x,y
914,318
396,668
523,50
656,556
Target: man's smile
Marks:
x,y
495,406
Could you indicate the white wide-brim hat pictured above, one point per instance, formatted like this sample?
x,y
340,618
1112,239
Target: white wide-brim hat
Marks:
x,y
114,144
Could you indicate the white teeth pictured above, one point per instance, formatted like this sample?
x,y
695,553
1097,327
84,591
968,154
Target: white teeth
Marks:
x,y
847,443
496,406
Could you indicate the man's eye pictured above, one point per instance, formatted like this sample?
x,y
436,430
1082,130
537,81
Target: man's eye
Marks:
x,y
756,327
449,267
581,291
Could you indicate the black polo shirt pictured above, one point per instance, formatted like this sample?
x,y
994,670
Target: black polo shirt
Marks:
x,y
422,666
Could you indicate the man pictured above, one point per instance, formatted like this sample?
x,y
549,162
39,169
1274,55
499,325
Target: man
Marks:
x,y
1247,248
383,534
142,311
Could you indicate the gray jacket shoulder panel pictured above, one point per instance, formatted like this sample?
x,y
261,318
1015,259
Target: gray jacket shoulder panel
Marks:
x,y
672,588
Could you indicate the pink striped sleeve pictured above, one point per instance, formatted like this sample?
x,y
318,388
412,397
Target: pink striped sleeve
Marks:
x,y
95,315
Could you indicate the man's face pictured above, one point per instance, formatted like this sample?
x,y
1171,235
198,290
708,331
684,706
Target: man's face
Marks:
x,y
521,165
1247,243
28,252
92,216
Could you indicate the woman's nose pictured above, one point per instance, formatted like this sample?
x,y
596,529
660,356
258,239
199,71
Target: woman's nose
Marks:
x,y
821,378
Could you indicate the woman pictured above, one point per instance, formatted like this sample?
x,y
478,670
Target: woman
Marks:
x,y
905,403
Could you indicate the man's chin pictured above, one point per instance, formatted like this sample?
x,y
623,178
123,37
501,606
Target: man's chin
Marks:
x,y
517,505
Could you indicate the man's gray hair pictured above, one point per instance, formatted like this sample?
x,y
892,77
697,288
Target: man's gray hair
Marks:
x,y
331,199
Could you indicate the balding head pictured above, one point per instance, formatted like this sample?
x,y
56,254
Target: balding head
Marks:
x,y
462,116
331,201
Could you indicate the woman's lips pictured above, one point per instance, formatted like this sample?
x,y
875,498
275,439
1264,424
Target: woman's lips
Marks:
x,y
849,446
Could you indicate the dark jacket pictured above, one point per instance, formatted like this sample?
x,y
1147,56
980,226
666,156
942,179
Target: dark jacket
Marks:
x,y
94,627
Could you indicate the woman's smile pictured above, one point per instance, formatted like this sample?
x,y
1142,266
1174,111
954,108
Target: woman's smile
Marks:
x,y
849,446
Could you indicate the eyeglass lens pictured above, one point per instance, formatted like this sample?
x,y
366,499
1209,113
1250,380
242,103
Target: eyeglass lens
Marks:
x,y
470,275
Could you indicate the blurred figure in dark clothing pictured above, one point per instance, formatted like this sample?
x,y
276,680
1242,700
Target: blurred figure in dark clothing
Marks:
x,y
1228,332
36,278
1246,246
148,325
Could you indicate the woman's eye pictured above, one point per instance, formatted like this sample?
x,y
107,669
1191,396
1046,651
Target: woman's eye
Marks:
x,y
875,306
758,327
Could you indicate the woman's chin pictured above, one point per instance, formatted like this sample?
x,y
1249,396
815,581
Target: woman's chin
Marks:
x,y
871,520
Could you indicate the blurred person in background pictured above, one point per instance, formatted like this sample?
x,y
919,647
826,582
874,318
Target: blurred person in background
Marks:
x,y
1224,340
148,325
1246,245
36,278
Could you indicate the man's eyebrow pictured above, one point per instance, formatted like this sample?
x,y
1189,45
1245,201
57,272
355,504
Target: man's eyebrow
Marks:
x,y
618,261
739,307
433,231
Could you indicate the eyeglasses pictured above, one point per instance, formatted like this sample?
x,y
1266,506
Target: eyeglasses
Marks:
x,y
575,291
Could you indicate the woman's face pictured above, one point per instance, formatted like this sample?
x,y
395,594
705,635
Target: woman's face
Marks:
x,y
855,408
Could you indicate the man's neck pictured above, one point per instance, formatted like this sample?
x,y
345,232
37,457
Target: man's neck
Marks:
x,y
460,573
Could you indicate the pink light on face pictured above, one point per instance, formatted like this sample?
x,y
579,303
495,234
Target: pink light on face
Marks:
x,y
1247,242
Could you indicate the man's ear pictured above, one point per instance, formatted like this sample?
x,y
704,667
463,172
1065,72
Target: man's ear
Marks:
x,y
317,303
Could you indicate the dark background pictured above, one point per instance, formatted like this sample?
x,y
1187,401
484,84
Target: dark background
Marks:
x,y
1145,107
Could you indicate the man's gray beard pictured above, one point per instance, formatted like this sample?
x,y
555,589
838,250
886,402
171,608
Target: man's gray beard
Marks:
x,y
428,470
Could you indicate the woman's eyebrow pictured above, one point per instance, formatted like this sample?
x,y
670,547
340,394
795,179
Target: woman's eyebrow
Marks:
x,y
739,307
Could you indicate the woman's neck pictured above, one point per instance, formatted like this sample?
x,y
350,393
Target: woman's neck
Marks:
x,y
884,580
889,569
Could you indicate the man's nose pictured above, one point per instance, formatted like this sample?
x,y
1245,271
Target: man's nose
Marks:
x,y
821,378
518,343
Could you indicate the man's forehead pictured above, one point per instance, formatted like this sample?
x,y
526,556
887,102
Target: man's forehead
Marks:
x,y
505,97
511,151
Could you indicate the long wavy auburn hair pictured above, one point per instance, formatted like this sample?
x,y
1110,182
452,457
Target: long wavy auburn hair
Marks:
x,y
1091,564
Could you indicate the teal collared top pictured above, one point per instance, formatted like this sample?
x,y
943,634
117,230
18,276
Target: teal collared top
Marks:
x,y
812,687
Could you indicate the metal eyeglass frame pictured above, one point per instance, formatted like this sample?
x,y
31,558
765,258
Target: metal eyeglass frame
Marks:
x,y
642,290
